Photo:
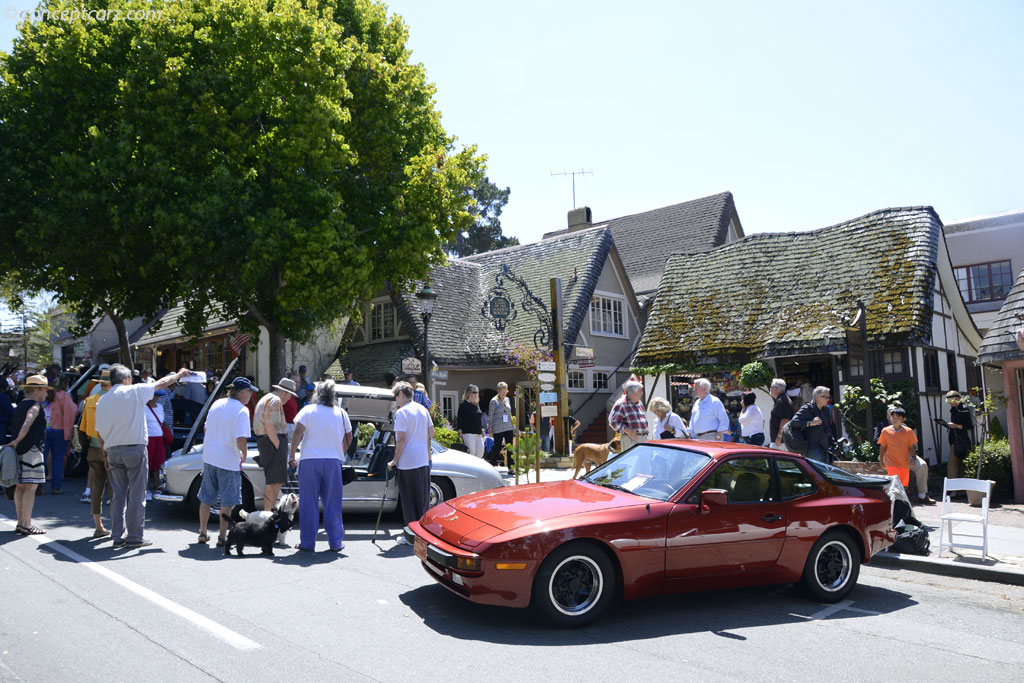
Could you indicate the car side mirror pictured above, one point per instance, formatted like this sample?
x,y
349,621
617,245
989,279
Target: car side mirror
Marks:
x,y
712,498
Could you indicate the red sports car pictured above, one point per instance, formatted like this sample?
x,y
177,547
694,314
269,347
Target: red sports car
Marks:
x,y
662,517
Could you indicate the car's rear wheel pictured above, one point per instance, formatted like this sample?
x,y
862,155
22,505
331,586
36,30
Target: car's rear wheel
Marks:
x,y
440,490
574,585
832,567
192,499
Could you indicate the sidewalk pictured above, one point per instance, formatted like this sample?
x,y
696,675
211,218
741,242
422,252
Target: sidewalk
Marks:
x,y
1004,564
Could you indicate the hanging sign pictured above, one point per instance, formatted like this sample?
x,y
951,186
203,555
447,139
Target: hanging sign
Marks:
x,y
583,352
548,397
546,377
412,366
546,366
549,411
547,387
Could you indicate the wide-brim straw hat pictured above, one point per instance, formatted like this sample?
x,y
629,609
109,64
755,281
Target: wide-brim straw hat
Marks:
x,y
35,382
287,385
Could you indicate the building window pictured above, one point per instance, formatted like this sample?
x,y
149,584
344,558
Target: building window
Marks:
x,y
382,321
984,281
600,380
606,316
931,370
856,366
576,380
892,362
448,405
954,382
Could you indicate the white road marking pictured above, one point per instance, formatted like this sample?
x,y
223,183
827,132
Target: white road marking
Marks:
x,y
828,611
382,602
224,633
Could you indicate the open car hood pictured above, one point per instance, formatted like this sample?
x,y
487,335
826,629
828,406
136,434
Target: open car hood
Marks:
x,y
505,509
365,403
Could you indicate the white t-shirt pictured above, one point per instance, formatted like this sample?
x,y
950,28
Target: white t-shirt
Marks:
x,y
119,415
414,420
227,420
326,428
672,423
751,421
154,424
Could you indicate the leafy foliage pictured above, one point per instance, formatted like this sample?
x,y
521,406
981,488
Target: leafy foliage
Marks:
x,y
995,465
282,160
756,375
365,433
445,436
485,233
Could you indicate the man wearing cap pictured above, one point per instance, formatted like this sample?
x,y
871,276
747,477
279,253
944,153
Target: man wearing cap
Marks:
x,y
305,388
272,439
121,429
224,449
348,379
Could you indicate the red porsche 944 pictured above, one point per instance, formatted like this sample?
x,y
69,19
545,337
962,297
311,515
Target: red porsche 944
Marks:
x,y
662,517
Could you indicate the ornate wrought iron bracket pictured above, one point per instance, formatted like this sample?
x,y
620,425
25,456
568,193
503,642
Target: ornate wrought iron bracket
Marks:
x,y
501,309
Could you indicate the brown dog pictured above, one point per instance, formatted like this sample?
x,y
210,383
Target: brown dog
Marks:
x,y
593,454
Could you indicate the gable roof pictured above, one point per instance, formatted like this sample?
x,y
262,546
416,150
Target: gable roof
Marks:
x,y
1000,343
459,333
645,240
783,294
171,322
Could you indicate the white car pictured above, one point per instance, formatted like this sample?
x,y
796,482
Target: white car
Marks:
x,y
452,472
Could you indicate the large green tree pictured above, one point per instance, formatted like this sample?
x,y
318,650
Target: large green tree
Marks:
x,y
485,233
281,159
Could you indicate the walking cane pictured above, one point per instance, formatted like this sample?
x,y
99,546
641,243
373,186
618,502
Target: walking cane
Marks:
x,y
380,510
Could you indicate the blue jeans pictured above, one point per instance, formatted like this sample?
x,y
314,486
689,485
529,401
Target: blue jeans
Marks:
x,y
54,450
817,452
220,483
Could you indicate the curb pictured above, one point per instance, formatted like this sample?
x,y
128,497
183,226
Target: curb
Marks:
x,y
930,565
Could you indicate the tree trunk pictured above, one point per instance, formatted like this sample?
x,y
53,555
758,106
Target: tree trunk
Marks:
x,y
122,339
277,354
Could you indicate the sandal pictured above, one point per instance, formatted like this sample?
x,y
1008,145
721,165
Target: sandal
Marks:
x,y
204,539
221,541
305,550
31,531
19,529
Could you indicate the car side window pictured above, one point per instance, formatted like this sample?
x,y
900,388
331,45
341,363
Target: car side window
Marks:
x,y
793,481
747,480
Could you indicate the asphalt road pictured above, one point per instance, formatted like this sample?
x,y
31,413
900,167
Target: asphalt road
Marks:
x,y
76,609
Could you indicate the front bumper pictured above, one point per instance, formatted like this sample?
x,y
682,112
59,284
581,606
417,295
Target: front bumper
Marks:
x,y
491,586
168,498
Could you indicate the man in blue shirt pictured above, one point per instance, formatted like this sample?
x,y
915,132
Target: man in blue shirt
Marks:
x,y
708,419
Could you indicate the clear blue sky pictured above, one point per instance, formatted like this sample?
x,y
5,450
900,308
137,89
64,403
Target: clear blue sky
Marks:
x,y
811,113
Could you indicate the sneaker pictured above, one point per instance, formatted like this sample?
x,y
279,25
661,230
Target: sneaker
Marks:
x,y
402,540
139,544
120,544
927,500
86,498
101,533
149,495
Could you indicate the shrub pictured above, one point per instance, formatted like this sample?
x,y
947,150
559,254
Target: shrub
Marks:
x,y
995,429
995,466
365,433
446,437
755,375
865,451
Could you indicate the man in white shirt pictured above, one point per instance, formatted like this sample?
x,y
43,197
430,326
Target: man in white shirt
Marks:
x,y
121,429
708,419
224,448
413,432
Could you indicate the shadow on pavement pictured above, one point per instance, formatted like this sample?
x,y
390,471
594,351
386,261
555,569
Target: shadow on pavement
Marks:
x,y
720,613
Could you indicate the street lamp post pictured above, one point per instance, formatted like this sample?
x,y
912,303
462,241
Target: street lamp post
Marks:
x,y
426,297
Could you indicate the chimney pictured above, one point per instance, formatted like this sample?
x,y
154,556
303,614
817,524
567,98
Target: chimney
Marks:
x,y
580,219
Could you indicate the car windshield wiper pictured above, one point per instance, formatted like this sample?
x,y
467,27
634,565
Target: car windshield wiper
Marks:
x,y
614,486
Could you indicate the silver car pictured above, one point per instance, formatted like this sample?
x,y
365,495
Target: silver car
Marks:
x,y
452,473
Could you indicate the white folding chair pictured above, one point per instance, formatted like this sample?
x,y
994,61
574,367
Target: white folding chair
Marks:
x,y
948,517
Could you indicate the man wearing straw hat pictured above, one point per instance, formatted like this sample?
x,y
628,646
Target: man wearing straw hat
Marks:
x,y
272,439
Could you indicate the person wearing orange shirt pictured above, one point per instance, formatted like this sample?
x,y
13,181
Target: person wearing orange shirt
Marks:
x,y
898,452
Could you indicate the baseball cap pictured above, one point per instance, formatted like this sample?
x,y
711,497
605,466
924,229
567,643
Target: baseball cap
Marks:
x,y
243,383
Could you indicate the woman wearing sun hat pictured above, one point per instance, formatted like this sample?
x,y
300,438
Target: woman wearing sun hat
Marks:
x,y
29,429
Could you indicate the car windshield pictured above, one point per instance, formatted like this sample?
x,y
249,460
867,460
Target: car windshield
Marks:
x,y
651,471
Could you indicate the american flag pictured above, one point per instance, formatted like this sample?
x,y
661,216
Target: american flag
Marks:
x,y
237,342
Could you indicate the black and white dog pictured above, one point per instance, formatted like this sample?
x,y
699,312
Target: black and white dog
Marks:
x,y
263,528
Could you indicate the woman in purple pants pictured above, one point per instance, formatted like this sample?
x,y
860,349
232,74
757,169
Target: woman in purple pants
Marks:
x,y
325,433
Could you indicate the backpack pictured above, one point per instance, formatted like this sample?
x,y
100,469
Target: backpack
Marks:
x,y
911,540
793,437
9,467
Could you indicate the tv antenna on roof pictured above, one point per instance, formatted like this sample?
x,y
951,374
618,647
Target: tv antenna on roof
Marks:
x,y
580,172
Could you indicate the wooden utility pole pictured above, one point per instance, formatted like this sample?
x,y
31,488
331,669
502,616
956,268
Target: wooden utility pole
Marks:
x,y
557,349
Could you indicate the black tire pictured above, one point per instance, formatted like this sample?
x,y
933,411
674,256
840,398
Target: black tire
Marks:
x,y
440,490
192,498
574,585
832,567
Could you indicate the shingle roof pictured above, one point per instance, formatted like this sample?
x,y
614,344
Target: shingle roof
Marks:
x,y
370,362
645,240
170,325
999,343
459,333
782,294
996,220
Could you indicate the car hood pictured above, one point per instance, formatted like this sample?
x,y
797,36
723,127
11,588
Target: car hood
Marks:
x,y
478,516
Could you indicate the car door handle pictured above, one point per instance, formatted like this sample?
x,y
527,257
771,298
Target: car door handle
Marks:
x,y
771,517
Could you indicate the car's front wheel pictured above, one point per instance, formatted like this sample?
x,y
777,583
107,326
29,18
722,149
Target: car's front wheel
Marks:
x,y
574,585
440,490
832,567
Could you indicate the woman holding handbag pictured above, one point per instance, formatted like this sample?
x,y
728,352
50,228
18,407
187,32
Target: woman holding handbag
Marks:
x,y
159,437
29,429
